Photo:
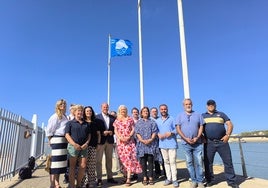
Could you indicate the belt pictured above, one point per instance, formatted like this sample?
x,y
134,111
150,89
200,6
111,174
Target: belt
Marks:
x,y
58,136
214,140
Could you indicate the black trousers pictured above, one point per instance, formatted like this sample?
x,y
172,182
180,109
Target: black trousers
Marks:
x,y
223,149
157,168
147,163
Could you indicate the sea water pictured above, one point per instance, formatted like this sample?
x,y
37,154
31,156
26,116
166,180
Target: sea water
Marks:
x,y
255,156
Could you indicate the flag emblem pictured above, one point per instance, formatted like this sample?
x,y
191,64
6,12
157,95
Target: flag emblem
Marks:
x,y
120,47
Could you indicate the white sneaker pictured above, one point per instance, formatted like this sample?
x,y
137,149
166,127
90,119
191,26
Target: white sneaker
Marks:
x,y
167,182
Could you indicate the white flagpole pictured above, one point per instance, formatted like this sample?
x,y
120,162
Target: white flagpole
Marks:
x,y
140,55
183,51
109,67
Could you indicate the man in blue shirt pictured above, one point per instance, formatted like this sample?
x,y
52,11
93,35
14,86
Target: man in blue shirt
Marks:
x,y
217,141
190,128
168,144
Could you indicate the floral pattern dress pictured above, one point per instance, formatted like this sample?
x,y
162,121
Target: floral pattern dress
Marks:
x,y
127,150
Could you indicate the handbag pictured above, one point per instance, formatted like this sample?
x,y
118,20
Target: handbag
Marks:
x,y
25,173
48,163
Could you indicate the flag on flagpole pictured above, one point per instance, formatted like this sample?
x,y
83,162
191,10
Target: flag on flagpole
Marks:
x,y
120,47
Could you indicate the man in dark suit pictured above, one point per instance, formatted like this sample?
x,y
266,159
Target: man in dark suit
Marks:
x,y
105,123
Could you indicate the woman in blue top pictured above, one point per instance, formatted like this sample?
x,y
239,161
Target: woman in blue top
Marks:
x,y
78,134
147,146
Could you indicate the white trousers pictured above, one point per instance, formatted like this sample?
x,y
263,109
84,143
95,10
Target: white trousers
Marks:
x,y
170,156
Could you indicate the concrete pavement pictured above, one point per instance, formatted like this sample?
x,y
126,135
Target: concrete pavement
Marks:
x,y
40,179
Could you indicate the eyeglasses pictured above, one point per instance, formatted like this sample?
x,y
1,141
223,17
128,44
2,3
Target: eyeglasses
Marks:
x,y
189,118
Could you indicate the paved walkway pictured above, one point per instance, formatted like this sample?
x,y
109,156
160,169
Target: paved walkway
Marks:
x,y
40,179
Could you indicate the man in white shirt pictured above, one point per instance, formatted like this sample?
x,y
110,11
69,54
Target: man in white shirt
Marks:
x,y
105,123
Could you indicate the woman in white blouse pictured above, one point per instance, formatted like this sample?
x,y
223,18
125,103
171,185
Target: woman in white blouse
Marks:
x,y
55,132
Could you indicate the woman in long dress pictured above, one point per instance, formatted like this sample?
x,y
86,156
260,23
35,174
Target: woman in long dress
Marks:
x,y
124,131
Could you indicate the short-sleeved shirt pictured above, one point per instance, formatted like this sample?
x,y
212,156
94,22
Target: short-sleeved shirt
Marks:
x,y
190,124
214,125
164,126
78,132
145,129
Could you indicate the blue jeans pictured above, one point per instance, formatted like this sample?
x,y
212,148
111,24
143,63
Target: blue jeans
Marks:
x,y
194,161
210,149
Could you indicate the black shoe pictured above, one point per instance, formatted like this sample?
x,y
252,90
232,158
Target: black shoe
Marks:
x,y
134,177
157,175
234,186
111,180
99,183
65,181
209,184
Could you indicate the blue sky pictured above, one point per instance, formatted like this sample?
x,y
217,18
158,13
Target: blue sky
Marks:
x,y
53,49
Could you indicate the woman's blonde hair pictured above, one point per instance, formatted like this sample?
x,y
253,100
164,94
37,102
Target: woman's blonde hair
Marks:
x,y
119,110
78,107
60,112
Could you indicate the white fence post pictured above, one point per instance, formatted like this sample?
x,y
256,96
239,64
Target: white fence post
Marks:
x,y
34,135
43,138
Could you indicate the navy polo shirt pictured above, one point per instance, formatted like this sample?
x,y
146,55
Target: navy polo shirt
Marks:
x,y
214,124
78,132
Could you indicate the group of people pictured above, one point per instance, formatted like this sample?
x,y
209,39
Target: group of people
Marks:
x,y
144,142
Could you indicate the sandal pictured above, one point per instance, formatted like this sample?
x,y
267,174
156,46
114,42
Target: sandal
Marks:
x,y
151,181
123,181
144,181
128,182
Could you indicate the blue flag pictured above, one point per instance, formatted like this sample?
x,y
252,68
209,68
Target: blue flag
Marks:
x,y
120,47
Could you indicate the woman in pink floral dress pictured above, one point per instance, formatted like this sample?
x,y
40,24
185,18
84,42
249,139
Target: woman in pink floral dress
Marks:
x,y
124,131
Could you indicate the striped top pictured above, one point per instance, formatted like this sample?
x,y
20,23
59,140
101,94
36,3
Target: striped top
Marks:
x,y
214,124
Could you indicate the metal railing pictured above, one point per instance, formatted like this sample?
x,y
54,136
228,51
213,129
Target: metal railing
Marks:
x,y
249,155
242,157
16,146
19,140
